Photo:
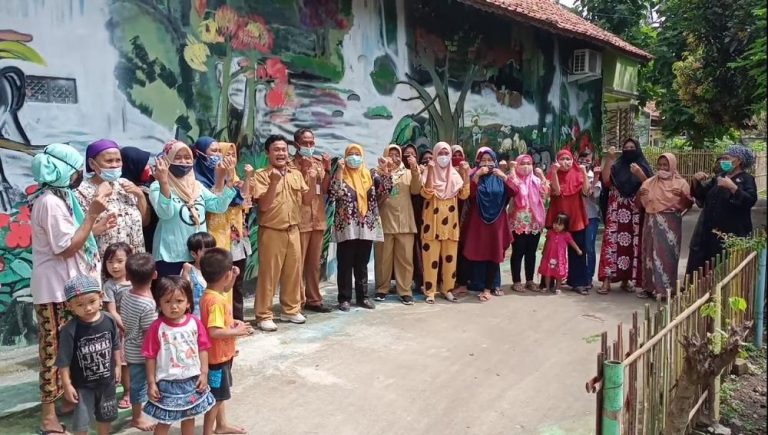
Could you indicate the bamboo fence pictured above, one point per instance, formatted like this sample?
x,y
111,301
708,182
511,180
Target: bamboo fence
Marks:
x,y
651,353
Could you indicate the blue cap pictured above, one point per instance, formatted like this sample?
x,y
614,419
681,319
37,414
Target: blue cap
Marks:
x,y
81,285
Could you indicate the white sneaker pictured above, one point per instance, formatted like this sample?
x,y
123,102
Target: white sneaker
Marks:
x,y
297,318
267,325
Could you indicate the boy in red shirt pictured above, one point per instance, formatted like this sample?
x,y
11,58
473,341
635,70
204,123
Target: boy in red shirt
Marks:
x,y
216,312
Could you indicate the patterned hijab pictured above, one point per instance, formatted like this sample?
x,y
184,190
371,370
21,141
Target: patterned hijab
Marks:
x,y
398,171
187,188
52,170
359,179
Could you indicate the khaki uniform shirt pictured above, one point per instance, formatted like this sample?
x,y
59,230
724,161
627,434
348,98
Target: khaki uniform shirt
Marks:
x,y
396,209
285,210
313,216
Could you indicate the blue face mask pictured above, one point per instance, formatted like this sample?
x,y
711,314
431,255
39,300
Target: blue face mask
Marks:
x,y
726,165
110,175
212,161
354,162
307,152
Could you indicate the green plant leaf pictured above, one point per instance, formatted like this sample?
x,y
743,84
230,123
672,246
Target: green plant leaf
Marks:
x,y
738,304
22,268
19,51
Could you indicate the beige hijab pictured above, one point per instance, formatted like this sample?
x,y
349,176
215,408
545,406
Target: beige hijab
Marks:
x,y
663,192
187,188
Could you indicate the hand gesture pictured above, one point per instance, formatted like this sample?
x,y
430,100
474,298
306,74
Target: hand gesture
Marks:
x,y
275,176
636,170
612,152
70,393
161,170
464,168
225,168
202,384
412,164
242,328
153,393
104,224
538,172
384,164
643,191
555,167
312,174
248,171
726,182
483,171
340,165
700,176
512,164
431,166
597,169
326,161
131,189
499,173
583,169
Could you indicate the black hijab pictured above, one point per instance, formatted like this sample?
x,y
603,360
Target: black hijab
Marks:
x,y
621,176
134,162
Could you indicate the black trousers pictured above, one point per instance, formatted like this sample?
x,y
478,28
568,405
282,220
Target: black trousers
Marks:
x,y
524,250
352,256
237,291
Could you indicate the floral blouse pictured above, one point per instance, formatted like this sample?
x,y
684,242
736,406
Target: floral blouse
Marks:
x,y
521,221
347,224
125,207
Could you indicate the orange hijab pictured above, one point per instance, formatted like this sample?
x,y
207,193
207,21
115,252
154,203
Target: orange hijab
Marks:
x,y
661,191
187,188
359,179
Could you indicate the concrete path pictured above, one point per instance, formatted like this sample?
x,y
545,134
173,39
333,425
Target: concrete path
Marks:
x,y
514,365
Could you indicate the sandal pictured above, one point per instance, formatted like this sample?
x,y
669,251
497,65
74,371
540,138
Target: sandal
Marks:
x,y
518,287
603,290
53,431
430,300
628,287
484,297
124,403
643,295
450,297
498,292
531,286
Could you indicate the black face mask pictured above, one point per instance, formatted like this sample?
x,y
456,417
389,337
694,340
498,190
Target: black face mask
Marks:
x,y
74,184
179,171
629,155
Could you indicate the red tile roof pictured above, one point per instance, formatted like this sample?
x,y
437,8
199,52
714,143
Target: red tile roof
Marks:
x,y
550,15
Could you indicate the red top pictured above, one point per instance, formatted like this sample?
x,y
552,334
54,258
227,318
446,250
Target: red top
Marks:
x,y
573,206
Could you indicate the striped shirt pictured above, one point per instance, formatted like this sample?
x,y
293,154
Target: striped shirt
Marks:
x,y
138,313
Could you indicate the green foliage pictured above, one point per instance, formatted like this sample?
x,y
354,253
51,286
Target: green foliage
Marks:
x,y
384,75
754,60
756,242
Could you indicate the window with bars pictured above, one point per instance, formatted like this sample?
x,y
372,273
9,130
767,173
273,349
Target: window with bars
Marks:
x,y
51,90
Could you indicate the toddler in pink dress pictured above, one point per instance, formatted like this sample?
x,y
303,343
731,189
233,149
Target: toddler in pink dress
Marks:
x,y
554,261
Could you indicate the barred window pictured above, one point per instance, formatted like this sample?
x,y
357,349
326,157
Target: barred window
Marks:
x,y
51,90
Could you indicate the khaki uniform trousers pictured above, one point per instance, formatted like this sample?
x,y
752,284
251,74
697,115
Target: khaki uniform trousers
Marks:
x,y
395,251
439,254
279,261
311,250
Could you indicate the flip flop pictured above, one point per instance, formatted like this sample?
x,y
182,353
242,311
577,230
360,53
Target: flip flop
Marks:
x,y
484,297
603,291
124,403
53,431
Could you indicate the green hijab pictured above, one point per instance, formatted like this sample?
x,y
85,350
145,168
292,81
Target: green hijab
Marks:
x,y
52,170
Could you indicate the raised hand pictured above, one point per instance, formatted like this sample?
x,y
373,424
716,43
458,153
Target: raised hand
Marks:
x,y
131,189
726,183
248,171
499,173
555,167
636,170
612,152
275,176
340,165
464,168
326,161
161,170
224,168
538,172
412,163
700,176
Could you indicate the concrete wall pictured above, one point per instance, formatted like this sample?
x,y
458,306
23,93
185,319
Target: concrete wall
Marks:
x,y
372,72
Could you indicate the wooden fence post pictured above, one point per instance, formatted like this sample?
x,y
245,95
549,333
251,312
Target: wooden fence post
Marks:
x,y
760,300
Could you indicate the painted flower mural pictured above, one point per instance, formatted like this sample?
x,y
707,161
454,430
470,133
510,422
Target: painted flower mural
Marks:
x,y
16,321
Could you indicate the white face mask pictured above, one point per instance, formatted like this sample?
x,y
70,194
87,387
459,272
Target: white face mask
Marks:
x,y
443,161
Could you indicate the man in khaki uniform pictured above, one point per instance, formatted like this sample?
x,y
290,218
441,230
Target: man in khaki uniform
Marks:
x,y
399,226
313,219
280,192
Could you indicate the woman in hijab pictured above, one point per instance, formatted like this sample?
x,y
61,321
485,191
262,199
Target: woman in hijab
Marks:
x,y
181,203
569,184
728,199
664,198
62,248
621,248
356,223
530,189
137,170
443,187
463,268
487,230
127,208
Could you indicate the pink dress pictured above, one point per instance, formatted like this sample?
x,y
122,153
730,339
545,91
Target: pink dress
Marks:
x,y
554,261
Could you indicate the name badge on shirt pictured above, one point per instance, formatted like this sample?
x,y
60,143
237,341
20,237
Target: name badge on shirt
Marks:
x,y
317,188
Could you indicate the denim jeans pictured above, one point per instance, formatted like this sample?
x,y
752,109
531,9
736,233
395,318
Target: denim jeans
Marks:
x,y
594,223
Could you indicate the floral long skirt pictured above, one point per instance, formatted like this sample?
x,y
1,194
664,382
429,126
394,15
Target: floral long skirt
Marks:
x,y
620,252
661,251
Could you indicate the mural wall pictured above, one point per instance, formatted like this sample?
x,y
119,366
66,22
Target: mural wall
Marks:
x,y
371,72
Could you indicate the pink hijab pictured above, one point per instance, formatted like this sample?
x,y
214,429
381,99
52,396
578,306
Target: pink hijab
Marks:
x,y
446,181
529,191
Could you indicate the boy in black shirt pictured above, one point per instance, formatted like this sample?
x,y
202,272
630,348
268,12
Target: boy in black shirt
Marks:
x,y
89,349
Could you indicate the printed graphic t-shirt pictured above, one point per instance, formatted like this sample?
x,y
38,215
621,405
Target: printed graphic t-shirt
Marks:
x,y
176,347
88,349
